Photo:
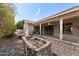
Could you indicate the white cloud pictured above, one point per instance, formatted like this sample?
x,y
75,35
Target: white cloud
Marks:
x,y
38,12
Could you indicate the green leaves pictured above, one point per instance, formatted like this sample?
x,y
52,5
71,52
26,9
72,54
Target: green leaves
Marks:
x,y
20,24
7,23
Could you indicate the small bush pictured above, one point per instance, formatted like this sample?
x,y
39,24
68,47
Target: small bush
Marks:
x,y
20,24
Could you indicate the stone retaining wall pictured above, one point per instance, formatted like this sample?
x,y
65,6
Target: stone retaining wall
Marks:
x,y
64,48
44,50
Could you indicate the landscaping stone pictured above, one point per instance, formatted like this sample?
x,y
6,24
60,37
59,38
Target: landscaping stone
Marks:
x,y
37,46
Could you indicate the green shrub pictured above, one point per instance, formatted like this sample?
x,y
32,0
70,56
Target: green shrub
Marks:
x,y
7,23
20,24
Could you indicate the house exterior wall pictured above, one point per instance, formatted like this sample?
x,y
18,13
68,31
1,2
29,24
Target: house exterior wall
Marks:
x,y
31,28
68,37
74,37
56,30
28,29
75,31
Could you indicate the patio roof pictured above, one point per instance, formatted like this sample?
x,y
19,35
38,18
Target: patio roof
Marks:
x,y
75,8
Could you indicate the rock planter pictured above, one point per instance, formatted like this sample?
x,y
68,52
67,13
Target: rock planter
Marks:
x,y
37,46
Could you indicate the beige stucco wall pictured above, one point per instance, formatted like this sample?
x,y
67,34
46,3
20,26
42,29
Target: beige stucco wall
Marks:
x,y
56,29
31,29
28,29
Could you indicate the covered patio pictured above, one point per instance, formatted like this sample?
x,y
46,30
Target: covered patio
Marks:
x,y
63,27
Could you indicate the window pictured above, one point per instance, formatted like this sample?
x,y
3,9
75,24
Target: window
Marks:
x,y
67,28
49,29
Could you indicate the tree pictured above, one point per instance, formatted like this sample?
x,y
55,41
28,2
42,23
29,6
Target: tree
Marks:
x,y
7,23
20,24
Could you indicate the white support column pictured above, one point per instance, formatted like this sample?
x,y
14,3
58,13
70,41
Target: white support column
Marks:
x,y
40,29
61,29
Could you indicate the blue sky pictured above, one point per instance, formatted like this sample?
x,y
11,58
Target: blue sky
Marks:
x,y
37,11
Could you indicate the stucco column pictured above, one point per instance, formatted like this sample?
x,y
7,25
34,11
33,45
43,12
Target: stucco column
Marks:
x,y
40,29
61,29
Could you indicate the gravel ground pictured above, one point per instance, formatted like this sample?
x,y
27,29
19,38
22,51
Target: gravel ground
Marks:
x,y
11,46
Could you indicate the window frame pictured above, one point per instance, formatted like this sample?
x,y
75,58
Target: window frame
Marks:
x,y
67,28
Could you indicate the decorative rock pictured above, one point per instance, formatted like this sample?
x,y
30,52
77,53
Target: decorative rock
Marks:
x,y
38,46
